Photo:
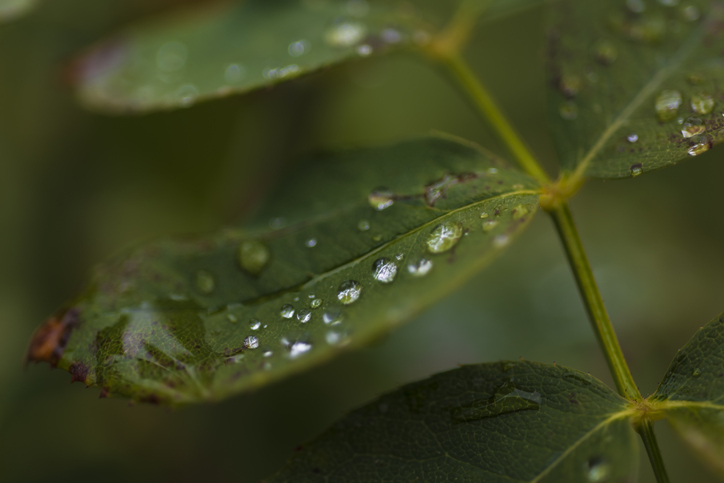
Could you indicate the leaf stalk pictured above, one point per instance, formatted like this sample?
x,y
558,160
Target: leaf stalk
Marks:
x,y
646,431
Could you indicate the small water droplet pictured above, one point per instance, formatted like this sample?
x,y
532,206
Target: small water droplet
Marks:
x,y
667,105
349,291
506,399
304,315
492,170
298,48
690,13
702,103
421,268
205,281
484,215
232,318
251,342
637,169
333,316
568,110
499,241
298,348
693,126
520,211
253,256
696,373
254,324
364,50
316,303
234,73
597,470
311,243
633,137
489,225
444,237
605,52
268,353
287,311
345,34
381,199
187,94
384,270
363,225
399,257
699,148
333,337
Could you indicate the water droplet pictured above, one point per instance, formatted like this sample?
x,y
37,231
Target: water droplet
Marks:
x,y
492,170
186,94
421,268
391,36
304,315
298,48
205,281
232,318
234,73
667,105
345,34
311,243
598,470
333,337
384,270
268,353
520,211
702,103
399,257
287,311
693,126
253,256
696,373
349,292
605,52
254,324
364,50
363,225
381,199
633,137
444,237
636,6
499,241
690,13
298,348
506,399
637,169
171,57
333,316
489,225
570,85
699,148
316,303
484,215
568,110
251,342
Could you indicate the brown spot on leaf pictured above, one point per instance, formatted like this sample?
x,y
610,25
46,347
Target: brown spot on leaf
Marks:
x,y
50,339
78,372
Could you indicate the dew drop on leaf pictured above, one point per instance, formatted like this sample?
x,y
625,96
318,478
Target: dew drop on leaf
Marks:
x,y
333,316
421,268
692,126
363,225
667,105
345,34
484,215
253,256
304,315
349,291
489,225
251,342
205,281
699,148
234,73
298,348
598,470
520,211
690,13
570,85
637,169
384,270
702,103
287,311
381,199
254,324
311,243
298,48
501,240
333,337
632,138
443,237
232,318
316,303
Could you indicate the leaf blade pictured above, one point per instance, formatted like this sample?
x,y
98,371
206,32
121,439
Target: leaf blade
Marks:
x,y
191,320
12,9
413,431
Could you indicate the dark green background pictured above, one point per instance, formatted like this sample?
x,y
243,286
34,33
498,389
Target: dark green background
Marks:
x,y
76,187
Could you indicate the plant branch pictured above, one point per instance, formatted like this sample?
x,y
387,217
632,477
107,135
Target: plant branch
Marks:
x,y
646,431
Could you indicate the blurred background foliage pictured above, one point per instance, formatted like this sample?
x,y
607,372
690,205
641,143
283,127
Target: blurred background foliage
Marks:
x,y
77,186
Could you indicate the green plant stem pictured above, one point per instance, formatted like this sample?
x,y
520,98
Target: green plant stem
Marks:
x,y
646,431
594,303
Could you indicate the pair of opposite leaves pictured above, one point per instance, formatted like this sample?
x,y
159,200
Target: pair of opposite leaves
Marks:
x,y
354,243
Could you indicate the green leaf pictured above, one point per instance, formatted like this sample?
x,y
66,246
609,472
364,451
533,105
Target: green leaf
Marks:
x,y
692,393
10,9
359,241
501,422
234,48
635,85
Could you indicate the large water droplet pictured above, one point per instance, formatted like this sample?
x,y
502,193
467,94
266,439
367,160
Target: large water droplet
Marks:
x,y
444,237
667,105
381,199
506,399
636,169
693,126
253,256
702,103
421,268
304,315
384,270
699,148
345,34
287,311
205,281
598,470
251,342
349,292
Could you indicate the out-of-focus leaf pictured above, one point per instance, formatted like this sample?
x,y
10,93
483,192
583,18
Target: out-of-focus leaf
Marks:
x,y
501,422
692,393
636,85
350,245
10,9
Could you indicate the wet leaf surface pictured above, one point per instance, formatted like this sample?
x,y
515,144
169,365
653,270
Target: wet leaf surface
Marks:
x,y
693,392
348,246
500,422
635,85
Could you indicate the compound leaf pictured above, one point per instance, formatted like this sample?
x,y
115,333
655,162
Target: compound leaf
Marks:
x,y
692,393
350,245
636,85
500,422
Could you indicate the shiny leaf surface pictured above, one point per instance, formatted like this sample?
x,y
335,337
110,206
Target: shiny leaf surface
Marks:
x,y
636,85
692,393
350,245
501,422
